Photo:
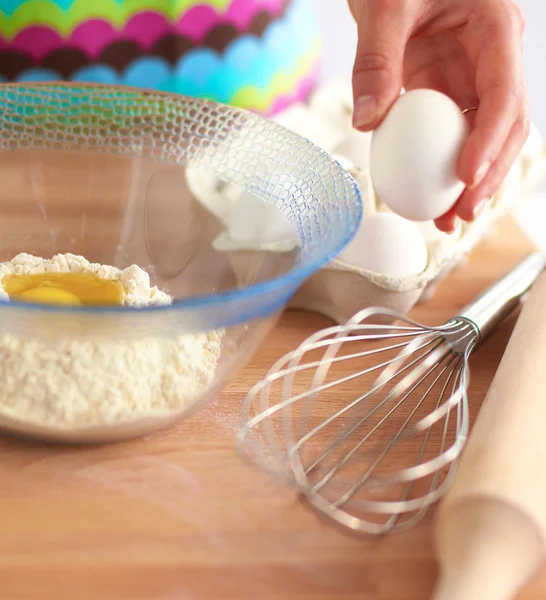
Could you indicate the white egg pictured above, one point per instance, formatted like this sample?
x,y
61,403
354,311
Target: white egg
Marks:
x,y
388,244
414,154
430,232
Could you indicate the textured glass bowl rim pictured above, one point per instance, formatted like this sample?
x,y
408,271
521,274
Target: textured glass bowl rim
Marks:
x,y
288,281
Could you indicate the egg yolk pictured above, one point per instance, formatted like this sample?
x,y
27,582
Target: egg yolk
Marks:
x,y
69,289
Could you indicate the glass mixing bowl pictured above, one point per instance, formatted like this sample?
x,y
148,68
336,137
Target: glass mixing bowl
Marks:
x,y
104,172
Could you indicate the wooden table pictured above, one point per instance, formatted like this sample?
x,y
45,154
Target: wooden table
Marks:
x,y
180,516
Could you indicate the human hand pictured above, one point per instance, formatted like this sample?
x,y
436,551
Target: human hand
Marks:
x,y
471,50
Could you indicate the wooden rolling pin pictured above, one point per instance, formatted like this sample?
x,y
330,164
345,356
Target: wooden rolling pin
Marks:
x,y
490,529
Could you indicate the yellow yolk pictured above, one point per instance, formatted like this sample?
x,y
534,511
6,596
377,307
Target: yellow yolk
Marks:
x,y
72,289
50,295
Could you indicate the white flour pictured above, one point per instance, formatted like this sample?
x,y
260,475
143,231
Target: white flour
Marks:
x,y
72,384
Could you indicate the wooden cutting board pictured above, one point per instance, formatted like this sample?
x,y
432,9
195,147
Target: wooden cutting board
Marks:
x,y
179,516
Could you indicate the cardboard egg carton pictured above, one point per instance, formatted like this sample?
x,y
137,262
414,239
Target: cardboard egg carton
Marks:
x,y
339,290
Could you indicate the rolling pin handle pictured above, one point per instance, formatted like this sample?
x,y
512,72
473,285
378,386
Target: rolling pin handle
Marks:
x,y
489,549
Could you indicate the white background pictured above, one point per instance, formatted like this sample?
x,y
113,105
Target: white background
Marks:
x,y
339,42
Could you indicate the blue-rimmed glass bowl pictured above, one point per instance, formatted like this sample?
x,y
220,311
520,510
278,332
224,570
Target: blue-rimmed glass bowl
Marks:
x,y
102,172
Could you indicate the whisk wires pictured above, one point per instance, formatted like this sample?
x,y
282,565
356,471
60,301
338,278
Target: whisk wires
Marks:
x,y
356,442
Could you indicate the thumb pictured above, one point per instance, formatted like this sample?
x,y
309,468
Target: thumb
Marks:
x,y
377,73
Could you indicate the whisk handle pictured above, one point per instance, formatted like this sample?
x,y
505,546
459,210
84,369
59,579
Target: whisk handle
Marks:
x,y
503,297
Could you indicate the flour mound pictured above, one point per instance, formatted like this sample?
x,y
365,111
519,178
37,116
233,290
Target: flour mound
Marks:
x,y
71,384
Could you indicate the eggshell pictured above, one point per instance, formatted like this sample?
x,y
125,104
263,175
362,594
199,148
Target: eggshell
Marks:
x,y
414,152
217,196
388,244
430,232
255,224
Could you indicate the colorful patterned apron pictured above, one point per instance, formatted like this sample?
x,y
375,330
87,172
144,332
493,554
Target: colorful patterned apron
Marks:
x,y
256,54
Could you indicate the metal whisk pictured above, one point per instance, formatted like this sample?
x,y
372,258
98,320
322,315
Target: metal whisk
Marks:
x,y
373,414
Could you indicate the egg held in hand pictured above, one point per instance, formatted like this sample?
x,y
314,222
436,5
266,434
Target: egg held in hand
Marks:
x,y
414,154
387,244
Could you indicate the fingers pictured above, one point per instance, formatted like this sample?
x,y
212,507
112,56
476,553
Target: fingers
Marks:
x,y
441,63
383,30
495,47
472,201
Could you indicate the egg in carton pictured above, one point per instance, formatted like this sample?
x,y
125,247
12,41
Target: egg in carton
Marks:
x,y
384,243
369,271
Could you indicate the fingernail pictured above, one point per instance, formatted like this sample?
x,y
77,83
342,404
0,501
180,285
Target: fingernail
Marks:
x,y
479,207
364,112
453,227
480,174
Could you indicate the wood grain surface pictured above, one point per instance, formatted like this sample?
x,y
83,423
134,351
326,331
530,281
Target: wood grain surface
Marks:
x,y
179,516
